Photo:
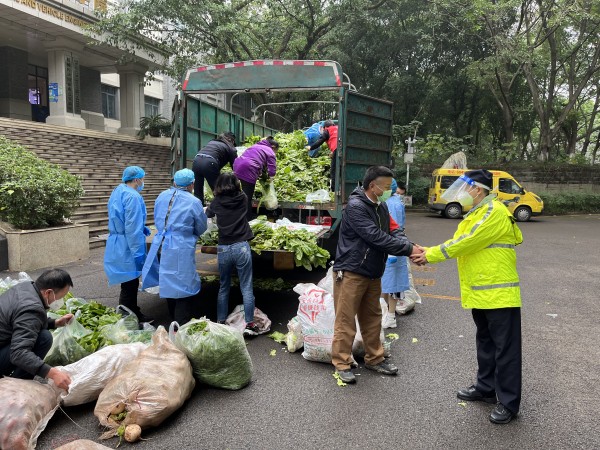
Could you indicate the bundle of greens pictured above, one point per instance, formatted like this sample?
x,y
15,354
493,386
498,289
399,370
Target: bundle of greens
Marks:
x,y
263,284
217,353
302,243
96,326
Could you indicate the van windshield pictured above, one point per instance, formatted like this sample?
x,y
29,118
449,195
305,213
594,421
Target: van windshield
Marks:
x,y
447,181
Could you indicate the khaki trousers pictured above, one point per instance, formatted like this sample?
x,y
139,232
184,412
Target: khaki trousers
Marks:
x,y
356,295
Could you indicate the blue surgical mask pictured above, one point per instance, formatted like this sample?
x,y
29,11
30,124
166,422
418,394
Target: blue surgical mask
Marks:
x,y
140,188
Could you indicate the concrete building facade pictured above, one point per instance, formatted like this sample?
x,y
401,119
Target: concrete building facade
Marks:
x,y
52,71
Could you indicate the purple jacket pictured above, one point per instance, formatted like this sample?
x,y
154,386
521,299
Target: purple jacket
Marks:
x,y
253,162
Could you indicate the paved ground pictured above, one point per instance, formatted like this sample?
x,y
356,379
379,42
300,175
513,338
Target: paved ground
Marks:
x,y
293,403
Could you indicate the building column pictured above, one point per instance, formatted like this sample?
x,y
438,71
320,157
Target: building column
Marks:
x,y
63,69
131,89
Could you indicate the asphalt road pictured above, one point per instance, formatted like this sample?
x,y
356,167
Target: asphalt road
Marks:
x,y
294,403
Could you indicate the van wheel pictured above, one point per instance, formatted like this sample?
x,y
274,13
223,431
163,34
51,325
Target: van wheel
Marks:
x,y
453,211
522,214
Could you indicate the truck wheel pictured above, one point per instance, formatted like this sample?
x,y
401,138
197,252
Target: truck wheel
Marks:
x,y
522,214
453,211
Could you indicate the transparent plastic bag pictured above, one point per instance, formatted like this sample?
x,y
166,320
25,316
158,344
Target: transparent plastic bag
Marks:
x,y
270,198
217,352
321,195
293,338
7,283
65,346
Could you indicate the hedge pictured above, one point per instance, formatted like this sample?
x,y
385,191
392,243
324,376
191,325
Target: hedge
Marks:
x,y
34,193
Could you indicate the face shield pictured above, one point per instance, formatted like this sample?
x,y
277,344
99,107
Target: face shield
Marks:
x,y
460,190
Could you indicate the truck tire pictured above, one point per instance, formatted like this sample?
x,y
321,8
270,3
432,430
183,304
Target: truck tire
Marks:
x,y
522,214
453,211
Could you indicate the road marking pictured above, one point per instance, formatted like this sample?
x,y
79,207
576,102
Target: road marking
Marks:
x,y
441,297
424,281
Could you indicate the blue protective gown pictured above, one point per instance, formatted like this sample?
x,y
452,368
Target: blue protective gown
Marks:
x,y
126,245
175,273
395,278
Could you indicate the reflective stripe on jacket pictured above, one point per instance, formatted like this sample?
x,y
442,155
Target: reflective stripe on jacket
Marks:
x,y
484,246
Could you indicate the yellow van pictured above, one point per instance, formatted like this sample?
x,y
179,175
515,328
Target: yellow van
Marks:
x,y
521,203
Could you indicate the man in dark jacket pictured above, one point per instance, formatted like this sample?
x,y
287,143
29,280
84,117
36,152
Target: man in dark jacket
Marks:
x,y
366,239
211,159
24,336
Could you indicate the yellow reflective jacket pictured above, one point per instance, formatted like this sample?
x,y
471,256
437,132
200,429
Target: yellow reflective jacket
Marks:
x,y
484,246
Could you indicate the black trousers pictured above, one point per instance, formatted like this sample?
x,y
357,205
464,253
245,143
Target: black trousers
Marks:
x,y
204,167
180,309
128,296
332,170
498,342
248,189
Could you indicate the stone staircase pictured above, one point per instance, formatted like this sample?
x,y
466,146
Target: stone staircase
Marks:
x,y
98,159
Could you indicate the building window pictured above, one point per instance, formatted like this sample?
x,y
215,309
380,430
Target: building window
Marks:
x,y
152,106
37,79
109,101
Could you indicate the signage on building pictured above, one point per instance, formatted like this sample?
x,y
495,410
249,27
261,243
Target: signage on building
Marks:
x,y
44,8
53,92
72,86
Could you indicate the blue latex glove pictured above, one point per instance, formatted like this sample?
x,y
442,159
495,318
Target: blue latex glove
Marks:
x,y
147,231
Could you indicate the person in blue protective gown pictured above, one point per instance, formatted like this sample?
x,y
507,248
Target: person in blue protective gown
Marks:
x,y
395,278
126,245
171,264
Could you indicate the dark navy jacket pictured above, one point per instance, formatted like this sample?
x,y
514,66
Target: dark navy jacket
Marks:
x,y
365,237
220,151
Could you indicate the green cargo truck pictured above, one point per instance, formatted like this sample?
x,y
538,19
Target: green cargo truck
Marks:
x,y
365,123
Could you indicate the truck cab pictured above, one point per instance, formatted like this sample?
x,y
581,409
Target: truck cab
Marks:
x,y
521,203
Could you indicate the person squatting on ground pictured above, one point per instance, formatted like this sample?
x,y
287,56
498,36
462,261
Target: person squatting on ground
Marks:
x,y
125,251
24,336
366,237
233,250
171,264
251,165
484,246
329,135
210,159
395,278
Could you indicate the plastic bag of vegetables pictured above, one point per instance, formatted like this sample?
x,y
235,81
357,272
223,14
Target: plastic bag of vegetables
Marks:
x,y
217,352
27,406
66,344
269,198
148,389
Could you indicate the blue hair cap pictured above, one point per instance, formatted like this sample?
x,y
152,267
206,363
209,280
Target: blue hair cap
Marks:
x,y
183,177
132,172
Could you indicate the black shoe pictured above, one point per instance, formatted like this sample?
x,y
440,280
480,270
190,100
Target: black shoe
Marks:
x,y
501,415
471,394
383,367
251,329
347,376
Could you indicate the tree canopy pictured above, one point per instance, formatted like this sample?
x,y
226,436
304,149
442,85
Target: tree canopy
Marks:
x,y
510,79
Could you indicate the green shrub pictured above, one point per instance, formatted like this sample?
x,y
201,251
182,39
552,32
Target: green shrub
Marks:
x,y
33,192
557,203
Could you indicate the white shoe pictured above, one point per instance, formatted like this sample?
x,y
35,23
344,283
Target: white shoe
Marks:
x,y
405,305
389,321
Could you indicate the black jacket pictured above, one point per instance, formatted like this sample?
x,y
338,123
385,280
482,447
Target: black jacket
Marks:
x,y
22,318
231,218
221,151
365,237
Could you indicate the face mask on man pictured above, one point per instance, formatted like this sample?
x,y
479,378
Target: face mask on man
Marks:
x,y
140,187
384,195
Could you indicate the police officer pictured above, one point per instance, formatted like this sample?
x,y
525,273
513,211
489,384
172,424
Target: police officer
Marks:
x,y
484,245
